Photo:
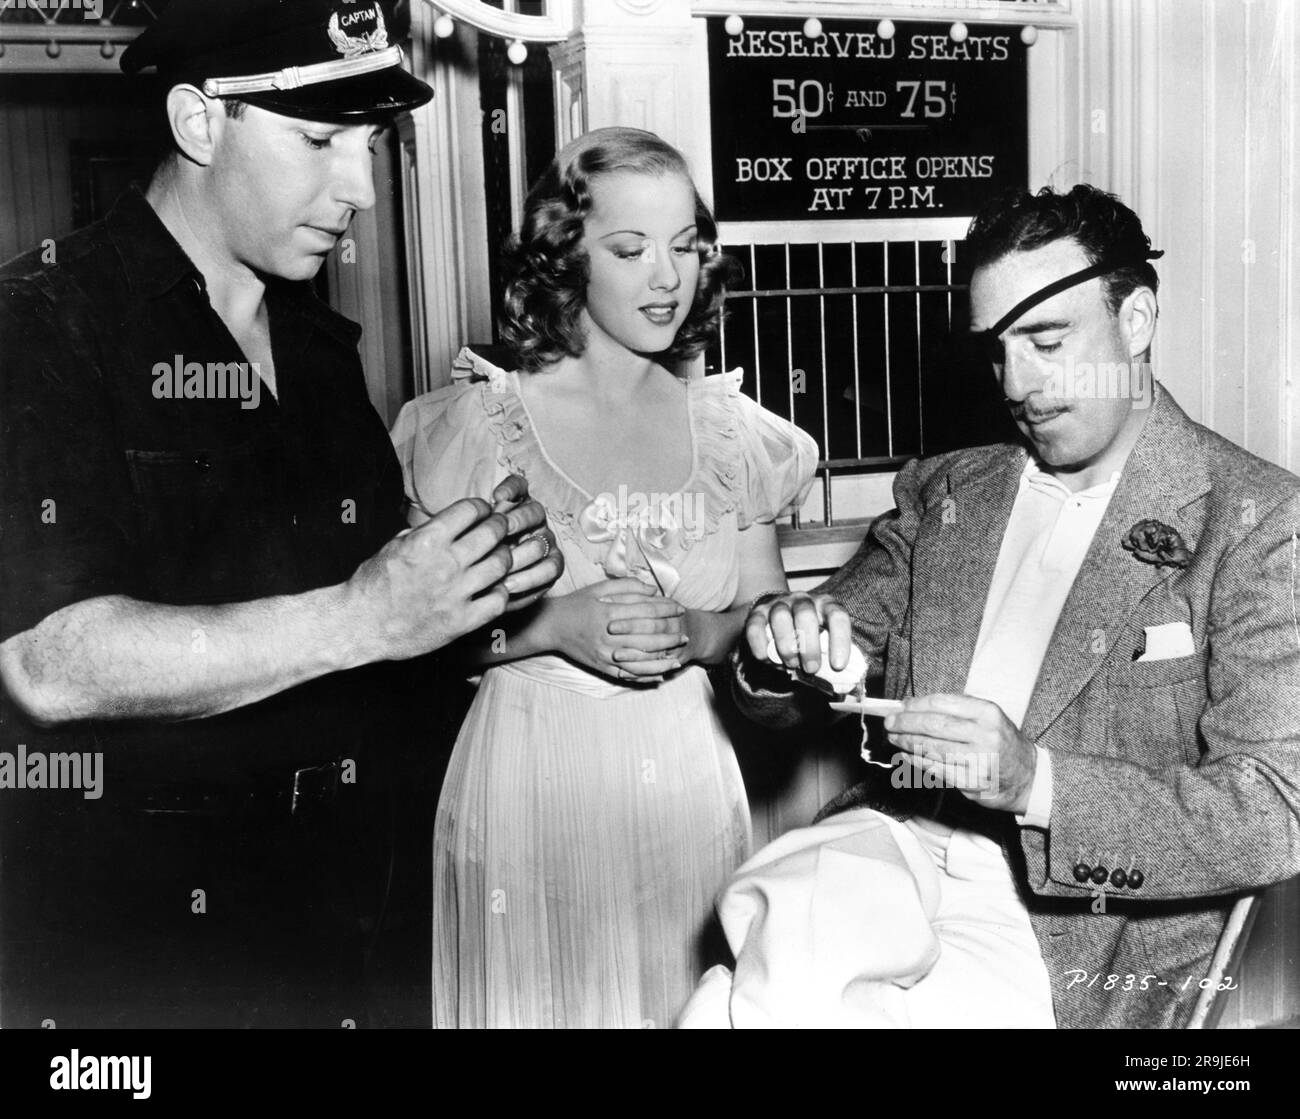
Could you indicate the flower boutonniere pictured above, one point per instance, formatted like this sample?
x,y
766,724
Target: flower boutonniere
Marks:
x,y
1155,542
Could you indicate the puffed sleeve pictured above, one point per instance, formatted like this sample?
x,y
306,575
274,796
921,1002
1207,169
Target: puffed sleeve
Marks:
x,y
447,449
777,463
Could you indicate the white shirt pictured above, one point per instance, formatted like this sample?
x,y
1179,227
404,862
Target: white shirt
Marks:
x,y
1048,534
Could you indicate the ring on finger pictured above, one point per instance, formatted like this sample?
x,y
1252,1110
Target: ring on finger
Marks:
x,y
540,534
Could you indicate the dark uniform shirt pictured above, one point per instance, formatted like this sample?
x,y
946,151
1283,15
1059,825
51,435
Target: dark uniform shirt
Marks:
x,y
110,485
110,488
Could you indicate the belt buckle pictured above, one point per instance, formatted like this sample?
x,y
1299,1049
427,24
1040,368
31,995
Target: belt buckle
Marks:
x,y
312,786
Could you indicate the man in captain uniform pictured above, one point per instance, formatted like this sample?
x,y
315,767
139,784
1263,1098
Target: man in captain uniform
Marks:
x,y
207,593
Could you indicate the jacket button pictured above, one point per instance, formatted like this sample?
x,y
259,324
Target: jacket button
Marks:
x,y
1118,878
1082,872
1136,878
1099,875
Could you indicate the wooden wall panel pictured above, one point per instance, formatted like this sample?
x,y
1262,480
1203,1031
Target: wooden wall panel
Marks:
x,y
1215,132
41,119
1220,199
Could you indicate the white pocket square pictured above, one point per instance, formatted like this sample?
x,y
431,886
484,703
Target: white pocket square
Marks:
x,y
1164,642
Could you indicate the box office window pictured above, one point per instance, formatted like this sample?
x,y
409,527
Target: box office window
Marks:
x,y
859,344
843,167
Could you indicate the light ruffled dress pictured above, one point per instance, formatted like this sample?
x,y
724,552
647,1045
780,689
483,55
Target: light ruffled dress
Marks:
x,y
584,827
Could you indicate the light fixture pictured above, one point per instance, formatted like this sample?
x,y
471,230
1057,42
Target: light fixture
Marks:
x,y
885,29
513,28
1029,35
734,25
958,32
812,27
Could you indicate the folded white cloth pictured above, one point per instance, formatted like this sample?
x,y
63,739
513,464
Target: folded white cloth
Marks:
x,y
1164,642
867,922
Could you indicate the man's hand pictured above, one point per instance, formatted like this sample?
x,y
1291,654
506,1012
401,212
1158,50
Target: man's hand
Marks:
x,y
535,559
113,657
797,620
970,743
432,584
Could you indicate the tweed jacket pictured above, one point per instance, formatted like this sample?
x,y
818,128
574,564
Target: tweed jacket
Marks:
x,y
1185,769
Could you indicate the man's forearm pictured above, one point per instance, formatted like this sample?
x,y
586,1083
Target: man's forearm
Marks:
x,y
528,633
118,658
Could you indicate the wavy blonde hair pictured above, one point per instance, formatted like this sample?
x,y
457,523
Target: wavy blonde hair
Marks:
x,y
546,269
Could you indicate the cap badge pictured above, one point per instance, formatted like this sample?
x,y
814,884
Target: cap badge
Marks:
x,y
372,36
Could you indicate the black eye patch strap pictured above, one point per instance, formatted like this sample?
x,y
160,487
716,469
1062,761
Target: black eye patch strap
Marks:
x,y
1101,268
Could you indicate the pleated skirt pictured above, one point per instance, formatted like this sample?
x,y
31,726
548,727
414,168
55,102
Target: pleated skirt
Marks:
x,y
582,834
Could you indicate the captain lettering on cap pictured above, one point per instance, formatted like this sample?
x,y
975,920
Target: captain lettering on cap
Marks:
x,y
313,59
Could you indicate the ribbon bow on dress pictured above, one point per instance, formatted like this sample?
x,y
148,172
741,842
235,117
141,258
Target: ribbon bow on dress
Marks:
x,y
639,540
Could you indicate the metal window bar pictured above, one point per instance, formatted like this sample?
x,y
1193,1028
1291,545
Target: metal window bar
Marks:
x,y
758,369
722,348
949,251
920,394
789,337
889,349
857,380
789,352
827,516
838,375
876,289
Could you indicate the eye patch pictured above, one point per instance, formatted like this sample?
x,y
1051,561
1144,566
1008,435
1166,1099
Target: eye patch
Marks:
x,y
990,342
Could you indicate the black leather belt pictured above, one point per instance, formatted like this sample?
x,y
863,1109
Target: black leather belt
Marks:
x,y
299,793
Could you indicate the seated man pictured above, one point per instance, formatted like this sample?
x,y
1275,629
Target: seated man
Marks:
x,y
1094,639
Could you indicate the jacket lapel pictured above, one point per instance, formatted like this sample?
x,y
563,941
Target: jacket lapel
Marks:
x,y
1164,473
953,568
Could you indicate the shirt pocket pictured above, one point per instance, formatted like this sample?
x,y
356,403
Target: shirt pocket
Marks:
x,y
1155,709
208,530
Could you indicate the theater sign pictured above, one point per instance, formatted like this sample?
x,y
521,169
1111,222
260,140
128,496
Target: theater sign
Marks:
x,y
853,125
